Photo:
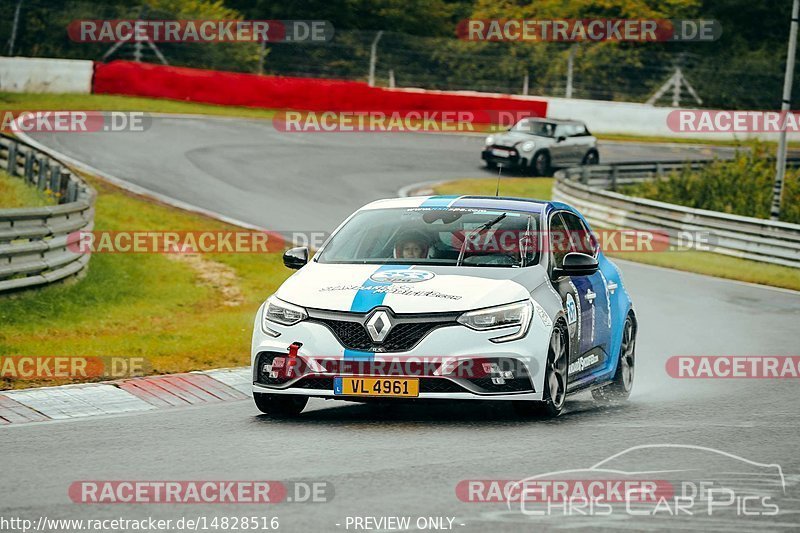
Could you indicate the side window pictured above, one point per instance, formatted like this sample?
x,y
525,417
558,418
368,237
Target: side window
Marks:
x,y
580,131
559,240
581,239
561,131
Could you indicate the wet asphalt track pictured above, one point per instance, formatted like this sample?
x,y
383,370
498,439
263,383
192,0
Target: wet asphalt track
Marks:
x,y
407,461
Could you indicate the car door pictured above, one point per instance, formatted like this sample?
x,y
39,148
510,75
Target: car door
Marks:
x,y
583,141
559,246
593,292
560,150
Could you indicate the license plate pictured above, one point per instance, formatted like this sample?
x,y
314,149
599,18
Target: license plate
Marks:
x,y
386,387
500,153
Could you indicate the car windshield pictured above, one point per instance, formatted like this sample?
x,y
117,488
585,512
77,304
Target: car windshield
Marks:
x,y
535,127
457,237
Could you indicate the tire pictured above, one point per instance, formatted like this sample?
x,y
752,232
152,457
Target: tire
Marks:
x,y
540,164
555,380
621,385
491,165
591,158
280,405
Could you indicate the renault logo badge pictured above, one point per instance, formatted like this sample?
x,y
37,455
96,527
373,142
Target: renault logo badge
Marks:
x,y
379,325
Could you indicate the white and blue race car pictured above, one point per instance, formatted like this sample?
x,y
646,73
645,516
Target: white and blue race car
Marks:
x,y
451,298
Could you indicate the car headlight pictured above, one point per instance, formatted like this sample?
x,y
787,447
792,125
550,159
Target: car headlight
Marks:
x,y
489,140
283,313
528,146
503,316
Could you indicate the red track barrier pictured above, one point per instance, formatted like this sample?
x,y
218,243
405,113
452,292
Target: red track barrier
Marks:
x,y
279,92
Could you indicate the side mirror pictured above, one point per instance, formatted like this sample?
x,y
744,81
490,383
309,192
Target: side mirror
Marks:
x,y
561,138
576,264
295,258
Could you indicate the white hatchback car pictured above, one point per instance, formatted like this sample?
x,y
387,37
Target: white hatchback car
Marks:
x,y
447,298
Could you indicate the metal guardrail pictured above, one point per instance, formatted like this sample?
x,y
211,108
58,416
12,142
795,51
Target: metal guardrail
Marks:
x,y
33,240
586,188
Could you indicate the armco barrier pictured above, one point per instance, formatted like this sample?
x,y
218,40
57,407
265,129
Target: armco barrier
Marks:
x,y
585,188
279,92
33,240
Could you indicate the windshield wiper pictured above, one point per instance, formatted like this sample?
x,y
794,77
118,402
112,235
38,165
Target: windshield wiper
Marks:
x,y
474,232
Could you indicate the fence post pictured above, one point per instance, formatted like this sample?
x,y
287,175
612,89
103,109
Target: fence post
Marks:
x,y
72,191
29,159
42,182
373,58
11,166
55,178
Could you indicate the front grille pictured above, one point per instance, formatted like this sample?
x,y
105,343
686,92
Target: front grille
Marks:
x,y
403,336
439,385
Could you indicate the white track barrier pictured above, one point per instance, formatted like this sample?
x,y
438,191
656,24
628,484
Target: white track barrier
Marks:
x,y
43,75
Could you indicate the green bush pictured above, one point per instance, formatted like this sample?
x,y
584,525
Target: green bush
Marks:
x,y
742,186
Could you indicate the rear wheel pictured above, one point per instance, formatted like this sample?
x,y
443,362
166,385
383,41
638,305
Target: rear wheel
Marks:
x,y
280,405
491,165
540,164
620,387
555,380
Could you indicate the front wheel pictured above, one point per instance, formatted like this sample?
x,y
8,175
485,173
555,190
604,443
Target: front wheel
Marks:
x,y
280,405
620,387
555,380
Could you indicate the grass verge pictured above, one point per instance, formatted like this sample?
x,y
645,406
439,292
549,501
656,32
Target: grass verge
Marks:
x,y
688,261
177,314
14,192
106,102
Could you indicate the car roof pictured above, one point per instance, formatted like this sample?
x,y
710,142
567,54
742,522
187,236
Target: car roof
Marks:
x,y
555,120
494,203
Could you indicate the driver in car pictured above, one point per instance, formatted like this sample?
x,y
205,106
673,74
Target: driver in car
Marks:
x,y
411,245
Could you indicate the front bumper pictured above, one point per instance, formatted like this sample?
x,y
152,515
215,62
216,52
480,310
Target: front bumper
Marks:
x,y
513,160
453,343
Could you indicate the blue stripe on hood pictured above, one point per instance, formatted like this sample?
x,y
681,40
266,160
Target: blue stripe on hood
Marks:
x,y
365,301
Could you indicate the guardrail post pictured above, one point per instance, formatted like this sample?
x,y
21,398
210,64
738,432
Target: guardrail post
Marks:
x,y
659,170
43,168
29,158
72,191
11,167
614,175
585,175
55,178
